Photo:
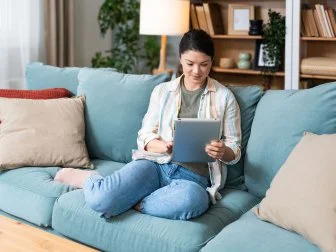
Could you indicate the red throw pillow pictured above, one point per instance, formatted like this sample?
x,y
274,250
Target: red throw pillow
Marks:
x,y
51,93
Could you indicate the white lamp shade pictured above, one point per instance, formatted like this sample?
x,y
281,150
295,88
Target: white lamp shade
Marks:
x,y
164,17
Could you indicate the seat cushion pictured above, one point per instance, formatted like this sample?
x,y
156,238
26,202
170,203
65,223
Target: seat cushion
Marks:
x,y
247,98
251,234
115,106
30,193
281,118
133,231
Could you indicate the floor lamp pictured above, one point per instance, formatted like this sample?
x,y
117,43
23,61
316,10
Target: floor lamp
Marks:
x,y
165,18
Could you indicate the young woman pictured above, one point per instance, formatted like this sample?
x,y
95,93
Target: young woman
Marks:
x,y
152,183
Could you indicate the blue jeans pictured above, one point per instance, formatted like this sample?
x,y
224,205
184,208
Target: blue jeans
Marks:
x,y
165,190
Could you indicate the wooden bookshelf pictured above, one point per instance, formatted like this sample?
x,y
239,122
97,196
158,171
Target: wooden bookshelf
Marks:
x,y
315,76
323,45
230,46
242,71
318,39
236,37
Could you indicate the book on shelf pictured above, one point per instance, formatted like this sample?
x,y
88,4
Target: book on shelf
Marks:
x,y
325,24
305,21
214,18
331,15
329,24
193,17
312,23
202,22
318,23
321,20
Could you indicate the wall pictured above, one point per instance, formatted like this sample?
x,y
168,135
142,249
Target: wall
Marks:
x,y
88,40
172,52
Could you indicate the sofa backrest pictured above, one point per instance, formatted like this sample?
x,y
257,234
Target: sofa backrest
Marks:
x,y
40,76
247,98
281,118
115,106
115,103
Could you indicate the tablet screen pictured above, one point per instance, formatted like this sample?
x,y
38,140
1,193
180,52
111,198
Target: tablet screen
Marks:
x,y
190,138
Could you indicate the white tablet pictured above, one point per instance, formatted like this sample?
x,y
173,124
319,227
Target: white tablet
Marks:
x,y
190,138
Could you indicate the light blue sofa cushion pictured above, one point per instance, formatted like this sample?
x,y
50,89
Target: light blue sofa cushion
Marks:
x,y
279,123
247,98
115,106
249,234
147,233
30,193
40,76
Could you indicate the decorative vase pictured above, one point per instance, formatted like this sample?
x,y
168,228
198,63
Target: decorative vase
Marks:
x,y
255,27
226,63
244,61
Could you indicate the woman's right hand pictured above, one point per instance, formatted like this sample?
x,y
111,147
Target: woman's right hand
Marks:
x,y
159,146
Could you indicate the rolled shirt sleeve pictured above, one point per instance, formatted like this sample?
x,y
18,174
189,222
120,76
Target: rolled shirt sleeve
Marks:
x,y
150,122
232,129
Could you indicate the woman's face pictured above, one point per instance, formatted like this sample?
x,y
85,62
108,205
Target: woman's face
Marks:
x,y
196,67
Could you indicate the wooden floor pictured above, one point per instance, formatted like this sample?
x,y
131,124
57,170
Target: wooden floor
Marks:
x,y
16,236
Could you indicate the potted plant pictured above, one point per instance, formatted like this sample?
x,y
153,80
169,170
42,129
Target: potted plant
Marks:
x,y
273,40
122,17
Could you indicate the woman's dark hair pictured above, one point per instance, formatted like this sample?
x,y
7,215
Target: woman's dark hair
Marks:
x,y
197,40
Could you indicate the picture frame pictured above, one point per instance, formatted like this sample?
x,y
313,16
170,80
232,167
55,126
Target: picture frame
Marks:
x,y
239,16
259,61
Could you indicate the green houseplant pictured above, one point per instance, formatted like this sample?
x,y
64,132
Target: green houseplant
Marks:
x,y
273,39
129,48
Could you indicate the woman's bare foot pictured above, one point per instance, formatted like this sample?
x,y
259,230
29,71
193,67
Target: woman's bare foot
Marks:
x,y
137,207
73,177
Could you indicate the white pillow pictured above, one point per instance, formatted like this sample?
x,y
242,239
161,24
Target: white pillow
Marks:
x,y
42,133
302,195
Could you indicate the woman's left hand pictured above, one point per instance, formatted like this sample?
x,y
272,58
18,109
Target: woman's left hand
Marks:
x,y
216,149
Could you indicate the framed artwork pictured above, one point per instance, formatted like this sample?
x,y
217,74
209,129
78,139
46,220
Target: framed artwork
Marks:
x,y
239,18
260,58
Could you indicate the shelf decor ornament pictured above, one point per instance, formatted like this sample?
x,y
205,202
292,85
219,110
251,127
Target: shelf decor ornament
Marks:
x,y
273,43
256,26
239,18
244,61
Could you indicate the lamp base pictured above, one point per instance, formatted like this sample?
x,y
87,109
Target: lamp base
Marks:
x,y
160,71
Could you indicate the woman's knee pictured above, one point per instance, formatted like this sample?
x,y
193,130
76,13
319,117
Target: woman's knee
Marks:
x,y
186,199
98,198
192,201
195,200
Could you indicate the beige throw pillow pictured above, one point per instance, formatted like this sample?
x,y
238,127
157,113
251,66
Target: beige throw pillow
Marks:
x,y
302,195
42,133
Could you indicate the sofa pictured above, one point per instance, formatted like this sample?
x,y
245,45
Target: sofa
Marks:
x,y
272,124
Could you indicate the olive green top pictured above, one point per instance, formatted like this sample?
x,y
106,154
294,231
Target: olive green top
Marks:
x,y
190,101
